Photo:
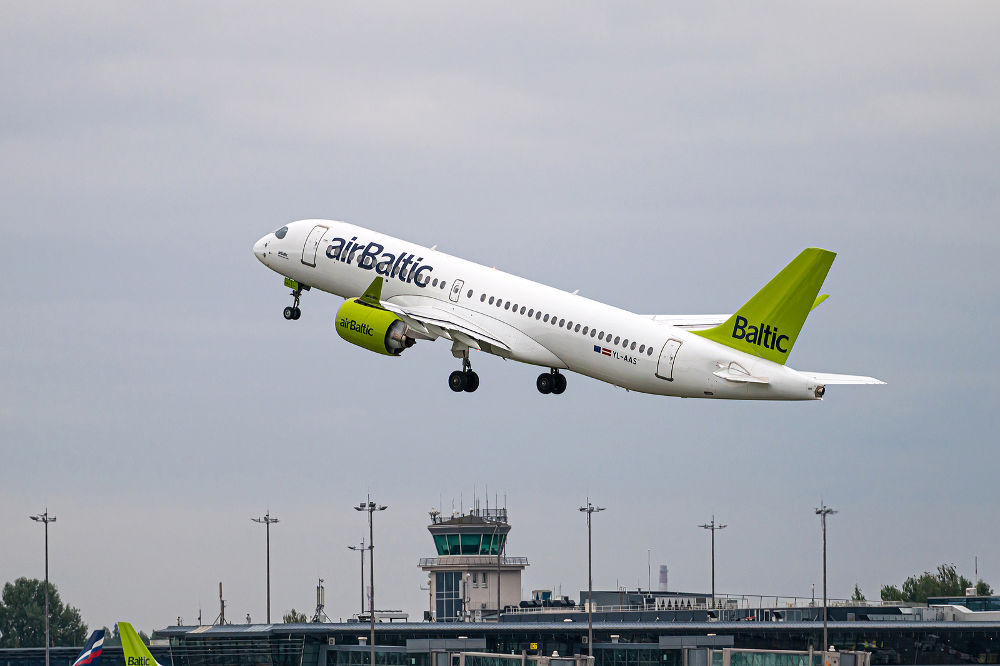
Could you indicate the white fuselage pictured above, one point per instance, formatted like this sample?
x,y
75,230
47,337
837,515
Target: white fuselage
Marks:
x,y
541,325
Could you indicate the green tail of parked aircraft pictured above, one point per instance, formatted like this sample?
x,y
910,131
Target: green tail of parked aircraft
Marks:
x,y
399,293
134,650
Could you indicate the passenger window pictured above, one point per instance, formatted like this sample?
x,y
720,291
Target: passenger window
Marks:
x,y
538,315
469,295
561,322
545,318
506,306
569,326
600,336
522,309
514,308
499,302
642,348
491,300
593,332
633,345
649,352
434,282
577,329
442,284
625,343
482,298
617,338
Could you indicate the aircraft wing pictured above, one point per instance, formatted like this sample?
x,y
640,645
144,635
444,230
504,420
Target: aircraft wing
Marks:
x,y
829,378
690,321
434,322
710,320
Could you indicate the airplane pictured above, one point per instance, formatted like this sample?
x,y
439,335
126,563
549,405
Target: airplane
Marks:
x,y
398,293
90,655
134,650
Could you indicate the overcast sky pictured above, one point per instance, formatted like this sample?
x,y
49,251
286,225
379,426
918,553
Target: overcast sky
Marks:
x,y
663,157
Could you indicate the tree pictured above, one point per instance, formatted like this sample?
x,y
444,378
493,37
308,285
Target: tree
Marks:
x,y
891,593
945,583
858,594
22,616
983,589
294,617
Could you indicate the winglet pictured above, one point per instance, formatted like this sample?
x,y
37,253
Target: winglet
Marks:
x,y
819,300
133,649
373,294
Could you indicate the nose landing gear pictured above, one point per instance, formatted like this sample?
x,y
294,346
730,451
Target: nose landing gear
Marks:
x,y
293,312
464,379
551,382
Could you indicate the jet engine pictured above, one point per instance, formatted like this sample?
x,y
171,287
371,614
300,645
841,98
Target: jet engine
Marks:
x,y
373,328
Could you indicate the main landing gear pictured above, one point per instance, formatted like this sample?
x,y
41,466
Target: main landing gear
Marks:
x,y
464,379
292,311
551,382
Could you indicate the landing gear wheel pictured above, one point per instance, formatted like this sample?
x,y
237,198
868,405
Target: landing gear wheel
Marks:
x,y
558,383
458,381
472,381
544,383
292,312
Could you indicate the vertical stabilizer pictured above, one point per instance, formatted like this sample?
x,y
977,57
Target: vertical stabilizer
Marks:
x,y
90,655
768,324
134,650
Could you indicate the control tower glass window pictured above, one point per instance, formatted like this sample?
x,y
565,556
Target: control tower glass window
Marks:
x,y
469,544
448,596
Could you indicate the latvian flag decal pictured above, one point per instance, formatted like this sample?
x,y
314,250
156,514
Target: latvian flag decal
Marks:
x,y
602,350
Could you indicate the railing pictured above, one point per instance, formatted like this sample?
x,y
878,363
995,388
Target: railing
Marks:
x,y
753,602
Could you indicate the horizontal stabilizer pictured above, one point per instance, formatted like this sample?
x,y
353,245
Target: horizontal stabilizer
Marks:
x,y
829,378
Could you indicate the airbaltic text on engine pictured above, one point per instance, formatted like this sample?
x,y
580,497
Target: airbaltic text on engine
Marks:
x,y
357,327
388,264
759,335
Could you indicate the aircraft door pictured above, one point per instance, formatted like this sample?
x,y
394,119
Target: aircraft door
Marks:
x,y
456,290
665,365
311,246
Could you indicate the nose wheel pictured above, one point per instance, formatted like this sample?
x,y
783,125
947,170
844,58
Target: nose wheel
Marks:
x,y
293,312
464,379
551,382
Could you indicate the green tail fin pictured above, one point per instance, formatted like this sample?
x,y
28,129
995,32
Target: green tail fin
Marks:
x,y
768,324
133,649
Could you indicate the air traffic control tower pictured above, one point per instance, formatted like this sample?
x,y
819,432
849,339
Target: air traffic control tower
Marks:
x,y
471,573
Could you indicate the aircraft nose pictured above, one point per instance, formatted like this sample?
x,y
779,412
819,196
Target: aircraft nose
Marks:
x,y
260,248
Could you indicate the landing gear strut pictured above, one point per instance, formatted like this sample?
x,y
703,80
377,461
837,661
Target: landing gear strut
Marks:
x,y
292,311
464,379
551,382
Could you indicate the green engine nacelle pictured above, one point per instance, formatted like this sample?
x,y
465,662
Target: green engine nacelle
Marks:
x,y
373,328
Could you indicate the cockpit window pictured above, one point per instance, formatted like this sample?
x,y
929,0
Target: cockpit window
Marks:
x,y
280,233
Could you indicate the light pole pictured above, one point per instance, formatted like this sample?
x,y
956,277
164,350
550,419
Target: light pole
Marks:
x,y
267,521
371,508
823,511
590,509
712,526
46,519
361,549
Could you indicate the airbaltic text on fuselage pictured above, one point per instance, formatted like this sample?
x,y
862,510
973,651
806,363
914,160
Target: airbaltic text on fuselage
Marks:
x,y
372,256
759,335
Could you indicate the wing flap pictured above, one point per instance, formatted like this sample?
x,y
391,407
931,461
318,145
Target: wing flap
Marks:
x,y
438,322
